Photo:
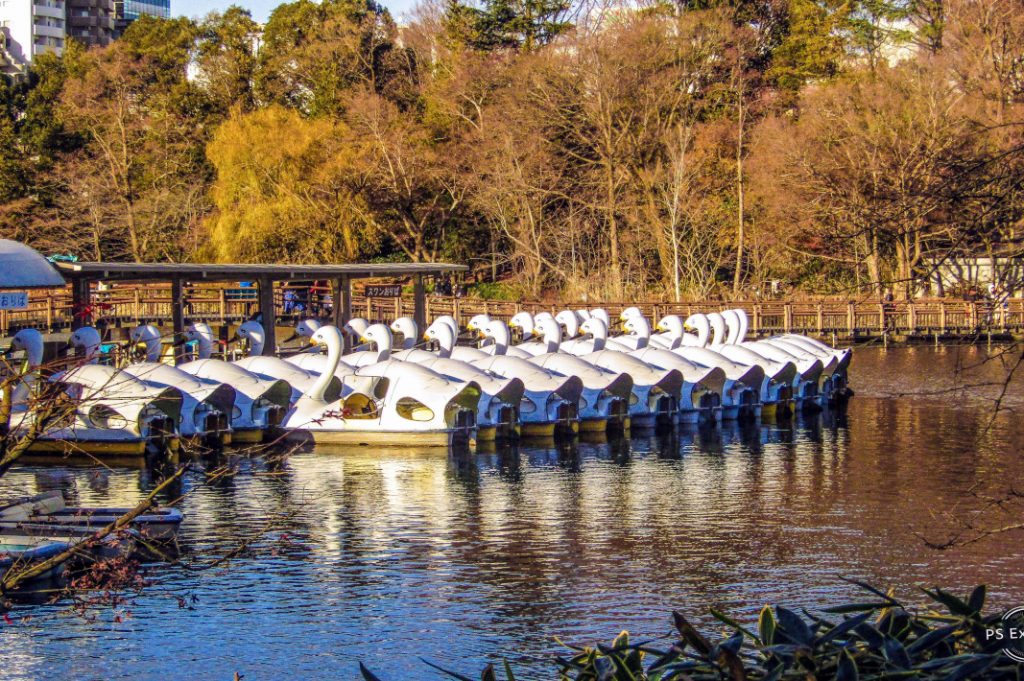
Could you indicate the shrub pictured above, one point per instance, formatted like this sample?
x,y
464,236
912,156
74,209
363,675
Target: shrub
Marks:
x,y
880,638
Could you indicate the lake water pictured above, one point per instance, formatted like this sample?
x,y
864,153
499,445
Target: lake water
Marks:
x,y
386,556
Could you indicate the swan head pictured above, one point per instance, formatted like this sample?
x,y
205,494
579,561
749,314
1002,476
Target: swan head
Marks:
x,y
378,334
497,330
671,324
251,331
31,341
602,314
27,339
199,331
440,332
637,326
583,314
356,326
524,321
630,312
407,327
144,333
550,330
595,327
307,327
570,321
478,323
325,337
86,339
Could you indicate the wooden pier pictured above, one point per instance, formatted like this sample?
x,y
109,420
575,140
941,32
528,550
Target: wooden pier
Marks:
x,y
125,305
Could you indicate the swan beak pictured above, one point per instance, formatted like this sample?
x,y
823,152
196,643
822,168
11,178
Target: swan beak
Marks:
x,y
364,339
426,337
687,327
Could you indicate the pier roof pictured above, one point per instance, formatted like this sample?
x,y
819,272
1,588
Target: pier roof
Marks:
x,y
123,271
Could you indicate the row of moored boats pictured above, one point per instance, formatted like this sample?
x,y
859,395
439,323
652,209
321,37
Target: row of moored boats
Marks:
x,y
393,384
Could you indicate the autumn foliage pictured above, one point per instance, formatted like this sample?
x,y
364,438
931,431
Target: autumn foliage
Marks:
x,y
604,149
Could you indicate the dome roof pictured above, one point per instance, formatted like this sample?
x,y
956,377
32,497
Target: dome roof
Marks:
x,y
24,267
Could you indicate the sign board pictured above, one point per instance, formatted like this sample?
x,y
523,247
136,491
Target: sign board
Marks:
x,y
383,291
13,300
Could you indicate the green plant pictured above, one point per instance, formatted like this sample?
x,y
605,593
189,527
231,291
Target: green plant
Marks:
x,y
880,638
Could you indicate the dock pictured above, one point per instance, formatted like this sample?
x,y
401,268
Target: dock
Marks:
x,y
124,305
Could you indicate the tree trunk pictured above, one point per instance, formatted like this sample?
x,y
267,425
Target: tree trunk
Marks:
x,y
737,281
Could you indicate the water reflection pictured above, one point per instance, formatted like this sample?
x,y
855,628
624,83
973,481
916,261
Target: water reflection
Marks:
x,y
392,554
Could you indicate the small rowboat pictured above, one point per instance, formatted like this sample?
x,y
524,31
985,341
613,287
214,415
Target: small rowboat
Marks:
x,y
159,524
20,551
126,543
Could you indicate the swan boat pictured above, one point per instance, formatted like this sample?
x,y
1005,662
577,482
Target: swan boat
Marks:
x,y
260,403
550,402
111,413
207,406
496,414
741,392
392,403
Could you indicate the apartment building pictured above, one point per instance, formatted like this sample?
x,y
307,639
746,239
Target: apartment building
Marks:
x,y
29,28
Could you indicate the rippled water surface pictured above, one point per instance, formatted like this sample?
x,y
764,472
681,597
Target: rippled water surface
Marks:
x,y
388,555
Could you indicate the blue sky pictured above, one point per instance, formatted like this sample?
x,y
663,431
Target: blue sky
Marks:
x,y
261,8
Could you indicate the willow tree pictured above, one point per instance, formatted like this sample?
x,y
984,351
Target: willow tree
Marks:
x,y
282,192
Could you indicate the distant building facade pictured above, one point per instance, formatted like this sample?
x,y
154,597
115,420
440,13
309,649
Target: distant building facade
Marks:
x,y
91,22
128,11
29,28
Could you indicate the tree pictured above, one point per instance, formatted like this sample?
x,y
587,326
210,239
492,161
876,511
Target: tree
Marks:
x,y
226,58
282,190
874,161
508,24
315,54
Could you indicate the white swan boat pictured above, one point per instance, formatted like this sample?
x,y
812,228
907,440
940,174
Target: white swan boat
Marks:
x,y
207,406
111,413
260,403
498,412
392,403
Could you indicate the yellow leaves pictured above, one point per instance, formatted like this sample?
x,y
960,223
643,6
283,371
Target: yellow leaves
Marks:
x,y
283,189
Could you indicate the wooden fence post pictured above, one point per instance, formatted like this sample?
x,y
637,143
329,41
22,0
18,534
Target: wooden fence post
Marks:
x,y
851,319
821,321
787,317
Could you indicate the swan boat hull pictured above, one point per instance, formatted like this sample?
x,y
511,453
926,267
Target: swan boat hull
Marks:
x,y
427,438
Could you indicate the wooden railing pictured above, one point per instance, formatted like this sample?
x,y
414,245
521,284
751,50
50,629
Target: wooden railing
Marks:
x,y
130,305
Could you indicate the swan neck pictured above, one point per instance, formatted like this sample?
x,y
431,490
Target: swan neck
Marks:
x,y
501,336
205,348
319,388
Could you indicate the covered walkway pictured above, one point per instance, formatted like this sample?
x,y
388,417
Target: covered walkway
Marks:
x,y
84,275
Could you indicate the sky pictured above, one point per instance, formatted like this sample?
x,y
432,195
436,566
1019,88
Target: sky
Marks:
x,y
261,8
